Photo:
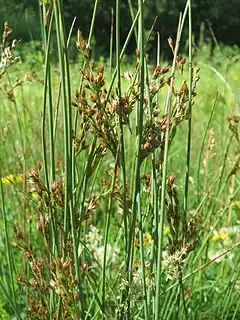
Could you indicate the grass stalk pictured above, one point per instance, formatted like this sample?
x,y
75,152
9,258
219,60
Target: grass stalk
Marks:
x,y
203,144
189,138
107,227
157,309
154,191
11,288
132,16
190,79
46,91
111,43
68,152
121,130
141,244
124,47
139,126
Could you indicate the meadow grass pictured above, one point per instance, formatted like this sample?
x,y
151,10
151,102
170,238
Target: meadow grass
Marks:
x,y
119,182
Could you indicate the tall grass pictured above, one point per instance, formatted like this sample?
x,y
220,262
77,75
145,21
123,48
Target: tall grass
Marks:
x,y
114,225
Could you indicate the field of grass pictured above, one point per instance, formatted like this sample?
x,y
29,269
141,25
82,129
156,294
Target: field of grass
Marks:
x,y
119,189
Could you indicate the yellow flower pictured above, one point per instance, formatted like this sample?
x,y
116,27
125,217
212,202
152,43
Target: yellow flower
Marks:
x,y
166,229
147,239
220,236
35,195
12,179
19,179
235,78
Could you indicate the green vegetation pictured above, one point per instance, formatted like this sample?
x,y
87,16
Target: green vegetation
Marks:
x,y
119,177
215,21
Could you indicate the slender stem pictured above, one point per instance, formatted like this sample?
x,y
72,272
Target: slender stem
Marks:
x,y
8,251
107,227
44,112
189,107
164,177
69,217
203,143
92,21
111,44
121,131
137,183
132,16
144,286
123,52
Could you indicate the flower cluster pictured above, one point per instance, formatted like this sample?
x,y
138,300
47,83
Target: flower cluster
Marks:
x,y
11,179
183,234
93,241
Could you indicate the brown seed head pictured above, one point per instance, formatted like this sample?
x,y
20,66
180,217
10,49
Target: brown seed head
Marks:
x,y
157,72
170,181
32,301
34,176
40,264
156,112
15,229
39,226
28,255
86,267
39,191
15,245
52,265
39,165
101,69
183,61
40,207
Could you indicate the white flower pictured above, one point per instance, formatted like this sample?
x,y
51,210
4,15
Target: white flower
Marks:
x,y
93,238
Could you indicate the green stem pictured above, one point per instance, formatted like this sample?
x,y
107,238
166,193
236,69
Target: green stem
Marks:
x,y
107,227
203,143
69,217
164,177
190,78
8,251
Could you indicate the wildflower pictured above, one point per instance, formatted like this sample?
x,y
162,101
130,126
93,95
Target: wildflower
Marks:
x,y
173,264
221,235
35,195
93,242
12,179
112,254
93,237
166,229
147,239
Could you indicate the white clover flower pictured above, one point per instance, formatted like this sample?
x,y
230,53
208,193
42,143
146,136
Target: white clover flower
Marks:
x,y
93,237
111,254
94,241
